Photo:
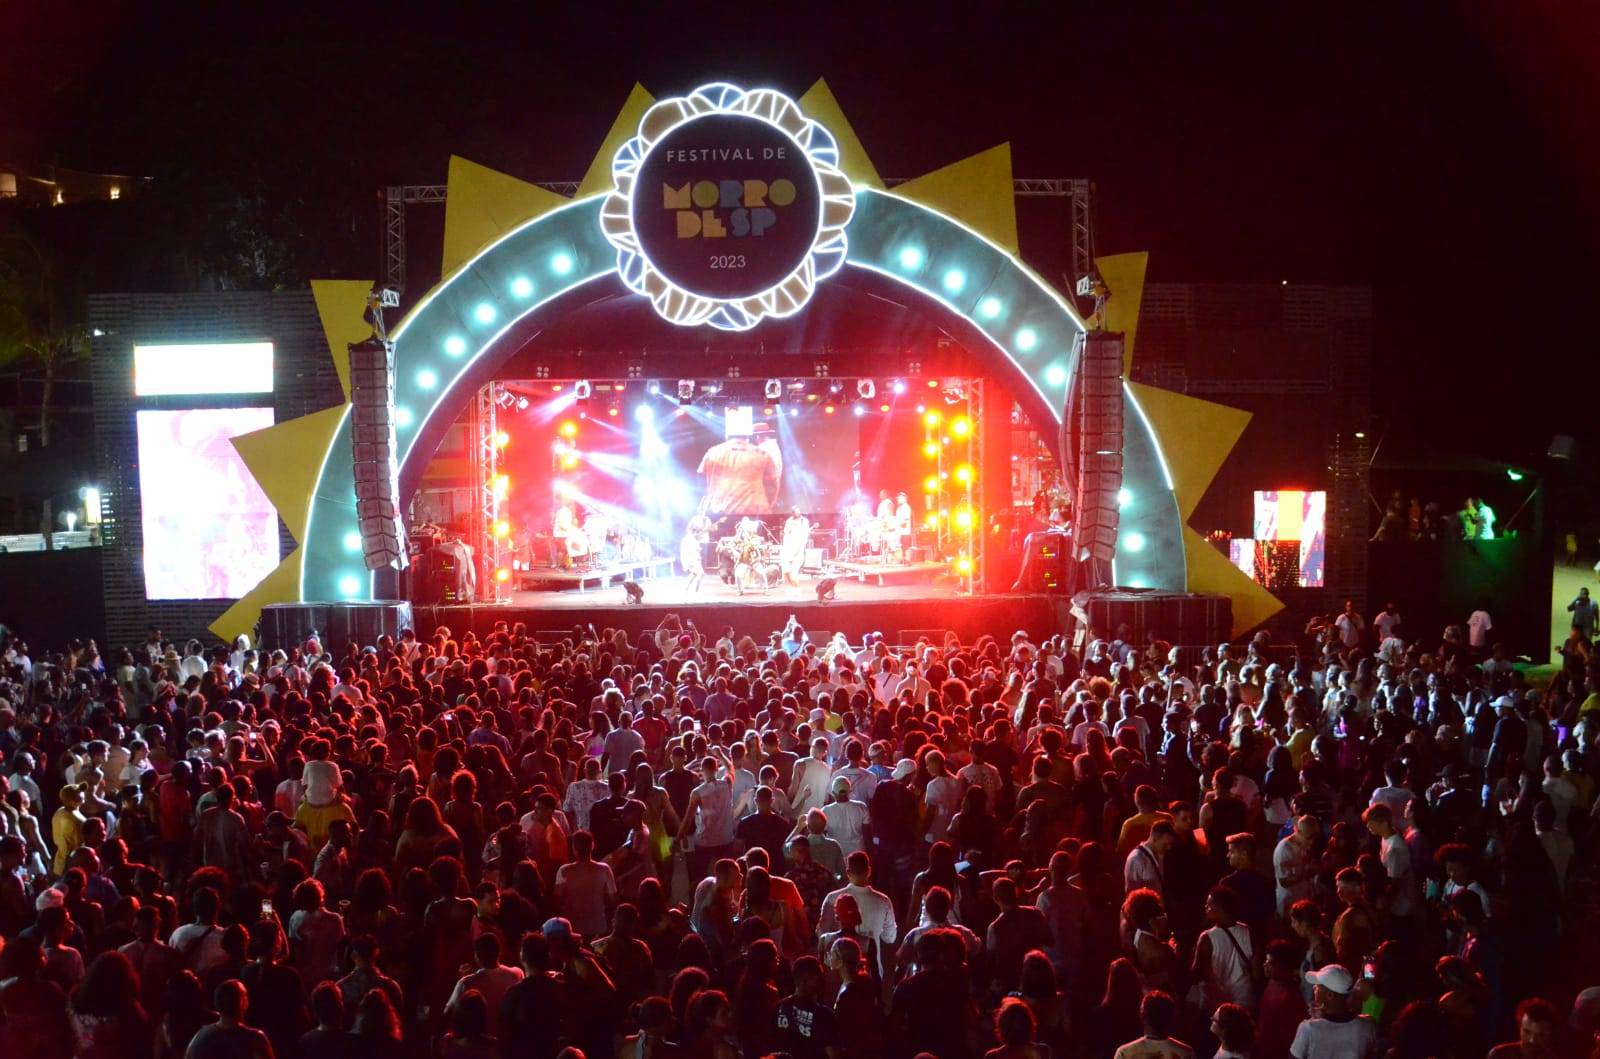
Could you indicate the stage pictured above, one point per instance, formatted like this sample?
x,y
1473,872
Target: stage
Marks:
x,y
901,612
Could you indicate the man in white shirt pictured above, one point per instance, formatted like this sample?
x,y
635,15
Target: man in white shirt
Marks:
x,y
846,817
620,744
1387,622
490,977
1479,626
813,779
1350,625
1338,1033
585,890
1396,861
877,913
1294,866
1147,861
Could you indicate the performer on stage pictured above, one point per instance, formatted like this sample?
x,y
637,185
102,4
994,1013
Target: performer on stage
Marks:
x,y
572,537
695,534
792,551
902,524
742,477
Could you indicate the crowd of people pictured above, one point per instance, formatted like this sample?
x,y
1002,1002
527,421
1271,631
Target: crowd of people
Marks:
x,y
704,845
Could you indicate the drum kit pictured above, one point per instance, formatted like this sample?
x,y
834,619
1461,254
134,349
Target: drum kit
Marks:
x,y
597,542
748,560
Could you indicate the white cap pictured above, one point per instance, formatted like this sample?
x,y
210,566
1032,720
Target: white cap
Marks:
x,y
903,768
1333,978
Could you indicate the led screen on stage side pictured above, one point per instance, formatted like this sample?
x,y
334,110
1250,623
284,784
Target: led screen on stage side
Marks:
x,y
1296,515
209,530
202,368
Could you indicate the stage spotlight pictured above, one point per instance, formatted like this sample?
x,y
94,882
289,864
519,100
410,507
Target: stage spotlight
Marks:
x,y
773,391
811,397
964,566
655,389
505,399
960,426
860,409
953,394
502,575
828,408
836,387
584,389
685,391
930,449
522,404
826,589
930,484
502,529
768,410
933,418
569,429
866,389
613,411
899,387
964,473
501,439
634,591
644,414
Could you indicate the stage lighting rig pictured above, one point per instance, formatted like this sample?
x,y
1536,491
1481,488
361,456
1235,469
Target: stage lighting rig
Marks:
x,y
685,391
866,389
583,390
773,391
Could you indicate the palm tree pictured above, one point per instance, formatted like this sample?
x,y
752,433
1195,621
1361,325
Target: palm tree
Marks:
x,y
41,318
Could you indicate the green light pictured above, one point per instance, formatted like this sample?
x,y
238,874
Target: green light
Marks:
x,y
1513,474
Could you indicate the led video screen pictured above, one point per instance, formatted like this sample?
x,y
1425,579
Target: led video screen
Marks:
x,y
209,530
202,368
1296,515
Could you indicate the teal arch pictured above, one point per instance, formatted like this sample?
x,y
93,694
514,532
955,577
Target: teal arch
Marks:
x,y
1032,330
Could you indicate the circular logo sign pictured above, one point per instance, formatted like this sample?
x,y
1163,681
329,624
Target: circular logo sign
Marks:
x,y
729,207
726,206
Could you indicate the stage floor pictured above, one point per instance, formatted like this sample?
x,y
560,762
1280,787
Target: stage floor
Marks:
x,y
674,592
900,611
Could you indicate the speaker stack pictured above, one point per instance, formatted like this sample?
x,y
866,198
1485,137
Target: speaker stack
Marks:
x,y
375,466
1095,433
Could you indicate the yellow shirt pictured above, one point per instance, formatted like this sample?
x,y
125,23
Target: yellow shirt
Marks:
x,y
66,830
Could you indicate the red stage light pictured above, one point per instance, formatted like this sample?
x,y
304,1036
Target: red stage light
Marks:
x,y
828,408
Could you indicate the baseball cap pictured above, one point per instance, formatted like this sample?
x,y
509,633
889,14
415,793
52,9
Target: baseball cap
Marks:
x,y
903,768
1333,978
841,784
560,928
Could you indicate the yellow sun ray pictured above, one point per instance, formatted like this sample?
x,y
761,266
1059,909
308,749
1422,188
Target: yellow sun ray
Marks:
x,y
280,586
976,191
482,205
1195,437
819,105
598,179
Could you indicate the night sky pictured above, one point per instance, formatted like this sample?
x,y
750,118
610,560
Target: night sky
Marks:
x,y
1450,160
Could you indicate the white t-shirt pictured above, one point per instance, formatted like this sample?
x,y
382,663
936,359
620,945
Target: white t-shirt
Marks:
x,y
1326,1039
943,797
845,821
717,822
1386,623
1350,627
1478,627
877,916
1397,864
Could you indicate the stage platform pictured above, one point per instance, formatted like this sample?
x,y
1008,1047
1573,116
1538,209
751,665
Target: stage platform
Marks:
x,y
901,612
